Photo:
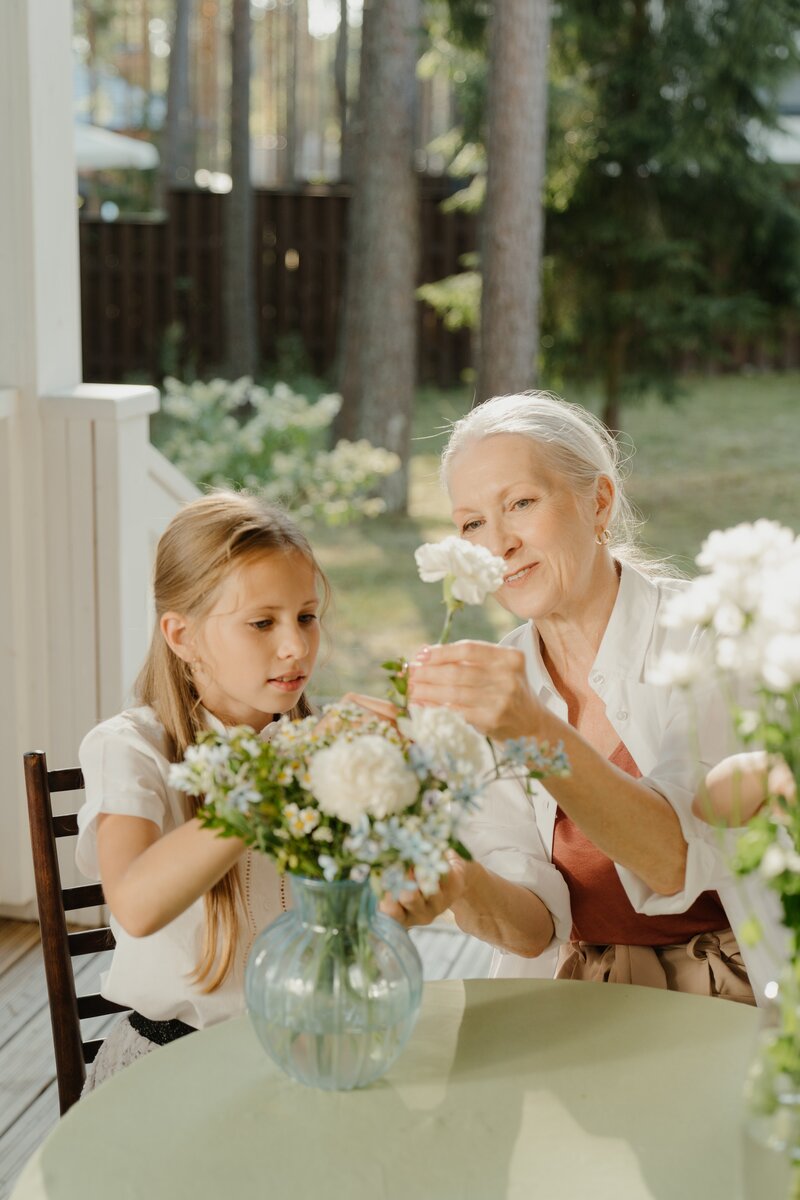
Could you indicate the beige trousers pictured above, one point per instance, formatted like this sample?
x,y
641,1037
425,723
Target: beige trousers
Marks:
x,y
709,964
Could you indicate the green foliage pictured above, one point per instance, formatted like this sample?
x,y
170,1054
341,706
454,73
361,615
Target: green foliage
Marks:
x,y
272,440
667,229
456,298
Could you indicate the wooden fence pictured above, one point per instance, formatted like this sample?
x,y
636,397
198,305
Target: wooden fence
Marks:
x,y
151,290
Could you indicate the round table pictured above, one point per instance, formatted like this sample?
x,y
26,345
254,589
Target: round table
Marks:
x,y
512,1089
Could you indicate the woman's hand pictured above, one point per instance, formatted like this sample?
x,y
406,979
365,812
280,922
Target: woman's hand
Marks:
x,y
412,908
487,684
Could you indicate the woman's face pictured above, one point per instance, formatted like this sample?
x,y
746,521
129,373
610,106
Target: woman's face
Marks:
x,y
505,497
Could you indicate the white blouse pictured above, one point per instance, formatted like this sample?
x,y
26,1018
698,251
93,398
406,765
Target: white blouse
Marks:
x,y
125,769
674,743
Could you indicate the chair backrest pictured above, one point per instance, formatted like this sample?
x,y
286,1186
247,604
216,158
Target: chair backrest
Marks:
x,y
67,1010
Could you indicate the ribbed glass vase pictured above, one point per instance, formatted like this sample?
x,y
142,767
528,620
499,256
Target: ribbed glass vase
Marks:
x,y
333,987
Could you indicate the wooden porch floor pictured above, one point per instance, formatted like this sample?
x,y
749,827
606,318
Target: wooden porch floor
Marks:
x,y
28,1095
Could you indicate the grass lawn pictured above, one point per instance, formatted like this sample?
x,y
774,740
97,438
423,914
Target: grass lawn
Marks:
x,y
726,451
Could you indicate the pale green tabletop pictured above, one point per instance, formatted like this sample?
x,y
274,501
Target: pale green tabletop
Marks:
x,y
512,1089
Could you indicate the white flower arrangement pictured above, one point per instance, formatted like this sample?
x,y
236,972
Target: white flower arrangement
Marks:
x,y
748,603
351,796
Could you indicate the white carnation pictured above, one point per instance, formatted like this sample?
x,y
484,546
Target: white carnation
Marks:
x,y
675,669
450,743
746,546
693,605
367,775
781,668
475,571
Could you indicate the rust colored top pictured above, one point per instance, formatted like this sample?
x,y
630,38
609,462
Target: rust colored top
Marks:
x,y
602,914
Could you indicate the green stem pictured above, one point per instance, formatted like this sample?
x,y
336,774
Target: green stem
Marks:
x,y
448,621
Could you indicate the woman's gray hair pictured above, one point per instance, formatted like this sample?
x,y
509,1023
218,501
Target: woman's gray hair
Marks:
x,y
575,443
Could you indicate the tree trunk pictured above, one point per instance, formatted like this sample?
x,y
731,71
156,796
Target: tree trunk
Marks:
x,y
340,81
378,366
240,298
513,217
177,154
614,374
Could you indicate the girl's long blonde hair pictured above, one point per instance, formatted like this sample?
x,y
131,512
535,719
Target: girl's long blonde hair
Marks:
x,y
206,540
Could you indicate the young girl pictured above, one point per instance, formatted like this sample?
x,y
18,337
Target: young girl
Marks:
x,y
237,599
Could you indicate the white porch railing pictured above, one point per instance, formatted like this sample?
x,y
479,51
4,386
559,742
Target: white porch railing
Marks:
x,y
107,496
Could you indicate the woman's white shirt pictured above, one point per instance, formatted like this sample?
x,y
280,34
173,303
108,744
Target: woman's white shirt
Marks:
x,y
674,742
125,769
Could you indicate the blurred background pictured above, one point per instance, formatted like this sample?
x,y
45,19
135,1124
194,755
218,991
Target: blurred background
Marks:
x,y
415,204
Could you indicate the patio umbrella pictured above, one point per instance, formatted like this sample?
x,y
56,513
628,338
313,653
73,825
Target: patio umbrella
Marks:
x,y
99,149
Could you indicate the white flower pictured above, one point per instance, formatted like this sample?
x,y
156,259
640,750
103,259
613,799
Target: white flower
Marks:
x,y
693,605
728,619
364,775
781,668
746,546
301,821
777,859
675,669
451,745
475,571
774,861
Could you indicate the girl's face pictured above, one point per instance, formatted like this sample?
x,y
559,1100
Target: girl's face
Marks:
x,y
505,497
255,650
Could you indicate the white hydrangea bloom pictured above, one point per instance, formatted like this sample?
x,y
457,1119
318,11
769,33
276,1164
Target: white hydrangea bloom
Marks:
x,y
475,571
363,775
450,743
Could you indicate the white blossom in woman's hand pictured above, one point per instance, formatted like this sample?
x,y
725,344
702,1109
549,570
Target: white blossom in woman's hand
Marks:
x,y
475,572
363,775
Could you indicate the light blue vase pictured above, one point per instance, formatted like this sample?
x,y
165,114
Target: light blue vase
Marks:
x,y
333,987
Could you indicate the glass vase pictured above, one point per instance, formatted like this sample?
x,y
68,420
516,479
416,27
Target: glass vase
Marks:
x,y
771,1156
333,987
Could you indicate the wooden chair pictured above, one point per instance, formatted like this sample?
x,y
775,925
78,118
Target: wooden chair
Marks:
x,y
59,945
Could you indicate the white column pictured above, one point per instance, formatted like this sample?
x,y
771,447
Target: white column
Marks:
x,y
39,351
75,460
96,446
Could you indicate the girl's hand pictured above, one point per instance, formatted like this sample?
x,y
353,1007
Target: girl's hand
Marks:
x,y
412,908
371,704
487,684
381,708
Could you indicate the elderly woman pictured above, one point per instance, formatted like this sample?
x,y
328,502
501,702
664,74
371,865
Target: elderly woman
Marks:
x,y
606,874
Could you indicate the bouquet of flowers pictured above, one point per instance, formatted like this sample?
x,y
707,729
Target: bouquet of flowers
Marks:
x,y
748,601
353,796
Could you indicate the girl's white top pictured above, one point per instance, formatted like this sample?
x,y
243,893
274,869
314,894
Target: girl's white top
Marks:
x,y
673,741
125,769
